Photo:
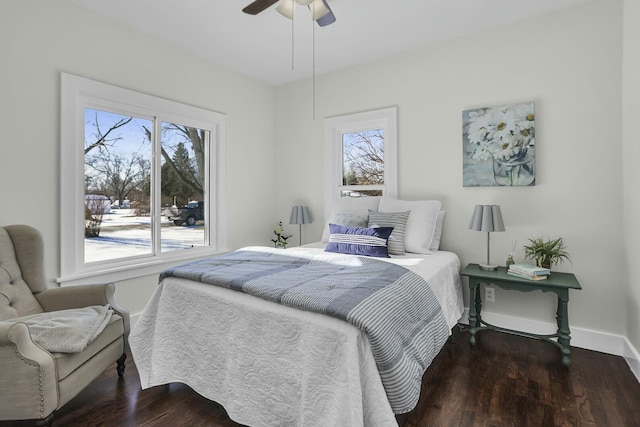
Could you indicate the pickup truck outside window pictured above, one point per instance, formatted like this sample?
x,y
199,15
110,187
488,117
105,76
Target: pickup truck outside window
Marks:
x,y
189,214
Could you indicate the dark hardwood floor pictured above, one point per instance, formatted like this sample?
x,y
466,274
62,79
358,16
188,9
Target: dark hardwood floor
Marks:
x,y
504,380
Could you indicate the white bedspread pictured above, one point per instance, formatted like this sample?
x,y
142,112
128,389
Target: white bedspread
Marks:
x,y
268,364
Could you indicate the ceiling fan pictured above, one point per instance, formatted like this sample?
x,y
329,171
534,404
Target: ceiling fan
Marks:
x,y
319,8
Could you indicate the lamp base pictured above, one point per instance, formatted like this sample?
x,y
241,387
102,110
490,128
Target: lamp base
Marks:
x,y
488,267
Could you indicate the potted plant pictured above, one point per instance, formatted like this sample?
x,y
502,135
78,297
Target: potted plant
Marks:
x,y
546,252
281,240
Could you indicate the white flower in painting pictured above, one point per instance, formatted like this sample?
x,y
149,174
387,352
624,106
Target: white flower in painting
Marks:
x,y
524,124
504,133
479,124
524,115
507,150
481,153
524,136
502,124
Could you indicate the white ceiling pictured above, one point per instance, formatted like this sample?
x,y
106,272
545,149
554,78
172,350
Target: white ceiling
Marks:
x,y
260,46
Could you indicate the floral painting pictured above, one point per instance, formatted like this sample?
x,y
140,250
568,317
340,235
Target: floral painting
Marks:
x,y
499,146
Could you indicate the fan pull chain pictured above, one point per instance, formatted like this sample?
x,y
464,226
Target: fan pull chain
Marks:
x,y
293,13
313,78
292,35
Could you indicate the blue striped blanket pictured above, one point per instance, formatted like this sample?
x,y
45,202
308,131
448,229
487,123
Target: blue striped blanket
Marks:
x,y
393,305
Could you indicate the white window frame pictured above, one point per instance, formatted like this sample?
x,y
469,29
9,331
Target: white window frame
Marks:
x,y
78,93
335,127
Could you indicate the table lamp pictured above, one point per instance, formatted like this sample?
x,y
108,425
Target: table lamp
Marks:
x,y
300,215
487,218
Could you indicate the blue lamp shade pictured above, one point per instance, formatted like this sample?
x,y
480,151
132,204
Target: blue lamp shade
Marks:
x,y
300,215
487,218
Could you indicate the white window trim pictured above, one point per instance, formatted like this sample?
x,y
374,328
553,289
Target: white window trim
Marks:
x,y
385,119
78,93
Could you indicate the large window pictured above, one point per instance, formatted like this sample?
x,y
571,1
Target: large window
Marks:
x,y
141,181
361,155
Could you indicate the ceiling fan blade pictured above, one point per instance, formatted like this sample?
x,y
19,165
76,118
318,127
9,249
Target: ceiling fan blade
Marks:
x,y
327,19
258,6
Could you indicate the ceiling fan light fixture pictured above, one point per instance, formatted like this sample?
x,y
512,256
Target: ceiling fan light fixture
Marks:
x,y
318,9
285,8
327,19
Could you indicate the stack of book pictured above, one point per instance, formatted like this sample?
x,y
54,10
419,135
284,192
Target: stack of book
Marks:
x,y
528,271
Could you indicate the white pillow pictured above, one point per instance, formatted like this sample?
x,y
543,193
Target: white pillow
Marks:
x,y
421,224
349,205
437,234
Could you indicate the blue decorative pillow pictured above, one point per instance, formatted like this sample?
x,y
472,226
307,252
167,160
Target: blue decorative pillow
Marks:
x,y
359,241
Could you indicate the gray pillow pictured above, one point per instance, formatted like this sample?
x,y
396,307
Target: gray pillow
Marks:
x,y
351,219
348,219
397,220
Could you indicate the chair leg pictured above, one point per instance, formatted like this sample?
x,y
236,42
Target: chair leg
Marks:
x,y
45,422
120,366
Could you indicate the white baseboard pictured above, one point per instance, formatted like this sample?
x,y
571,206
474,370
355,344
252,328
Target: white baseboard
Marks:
x,y
603,342
633,358
584,338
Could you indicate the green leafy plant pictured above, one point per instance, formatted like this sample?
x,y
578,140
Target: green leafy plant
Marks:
x,y
546,252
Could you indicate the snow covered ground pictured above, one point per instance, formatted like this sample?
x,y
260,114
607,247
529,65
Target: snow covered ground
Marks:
x,y
122,234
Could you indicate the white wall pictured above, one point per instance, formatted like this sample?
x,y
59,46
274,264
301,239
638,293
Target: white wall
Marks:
x,y
39,39
631,153
570,64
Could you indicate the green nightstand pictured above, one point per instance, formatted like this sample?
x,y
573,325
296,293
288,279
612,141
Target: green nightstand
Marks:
x,y
558,283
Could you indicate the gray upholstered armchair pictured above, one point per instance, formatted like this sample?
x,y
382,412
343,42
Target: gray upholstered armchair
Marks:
x,y
35,382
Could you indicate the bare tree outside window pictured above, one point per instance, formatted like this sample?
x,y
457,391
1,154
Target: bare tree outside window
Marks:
x,y
361,156
183,162
184,151
135,156
117,174
118,167
363,161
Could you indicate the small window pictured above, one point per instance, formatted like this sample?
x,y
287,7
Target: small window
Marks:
x,y
361,159
363,162
141,181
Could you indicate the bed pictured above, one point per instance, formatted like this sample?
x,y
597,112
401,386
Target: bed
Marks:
x,y
271,364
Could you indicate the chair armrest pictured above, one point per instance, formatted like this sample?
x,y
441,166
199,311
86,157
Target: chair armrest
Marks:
x,y
62,298
30,385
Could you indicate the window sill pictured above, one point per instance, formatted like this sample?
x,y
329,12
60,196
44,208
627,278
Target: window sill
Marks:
x,y
131,271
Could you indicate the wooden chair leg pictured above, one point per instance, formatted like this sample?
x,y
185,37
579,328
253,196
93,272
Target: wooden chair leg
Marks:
x,y
120,366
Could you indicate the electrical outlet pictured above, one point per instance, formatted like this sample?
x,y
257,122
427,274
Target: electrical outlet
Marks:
x,y
489,294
